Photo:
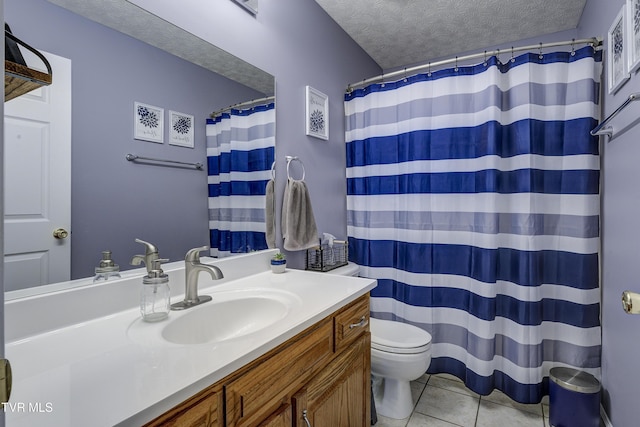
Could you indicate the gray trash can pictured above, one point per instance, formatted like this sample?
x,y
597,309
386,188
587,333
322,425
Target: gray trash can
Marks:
x,y
574,398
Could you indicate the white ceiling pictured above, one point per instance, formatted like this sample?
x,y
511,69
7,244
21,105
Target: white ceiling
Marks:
x,y
397,33
136,22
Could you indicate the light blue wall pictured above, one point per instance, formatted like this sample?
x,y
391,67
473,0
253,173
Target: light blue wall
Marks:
x,y
621,235
113,200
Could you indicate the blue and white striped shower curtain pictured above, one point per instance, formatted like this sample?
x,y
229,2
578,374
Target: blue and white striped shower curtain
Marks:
x,y
240,153
473,198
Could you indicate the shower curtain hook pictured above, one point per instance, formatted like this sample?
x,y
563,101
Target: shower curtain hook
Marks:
x,y
456,69
485,58
540,55
498,56
512,58
573,47
429,70
405,74
382,78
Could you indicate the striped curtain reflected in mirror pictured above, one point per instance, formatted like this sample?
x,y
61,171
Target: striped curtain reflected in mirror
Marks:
x,y
240,152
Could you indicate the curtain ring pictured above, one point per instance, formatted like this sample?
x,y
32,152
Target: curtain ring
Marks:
x,y
485,58
405,74
382,78
573,47
540,56
512,58
456,69
429,70
498,56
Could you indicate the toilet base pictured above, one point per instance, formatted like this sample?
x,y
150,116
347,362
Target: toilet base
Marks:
x,y
393,398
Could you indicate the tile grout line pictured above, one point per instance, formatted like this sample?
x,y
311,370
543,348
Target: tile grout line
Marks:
x,y
478,410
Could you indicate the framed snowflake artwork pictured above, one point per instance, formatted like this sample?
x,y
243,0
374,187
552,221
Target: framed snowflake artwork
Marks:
x,y
617,56
180,129
317,114
148,122
633,34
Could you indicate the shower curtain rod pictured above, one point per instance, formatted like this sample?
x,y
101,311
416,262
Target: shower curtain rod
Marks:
x,y
595,42
242,104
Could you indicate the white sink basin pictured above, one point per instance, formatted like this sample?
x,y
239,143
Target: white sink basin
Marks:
x,y
220,321
230,315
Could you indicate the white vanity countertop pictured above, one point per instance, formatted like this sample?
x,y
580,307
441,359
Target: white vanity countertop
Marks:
x,y
94,373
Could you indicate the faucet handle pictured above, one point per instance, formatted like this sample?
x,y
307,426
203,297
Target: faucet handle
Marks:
x,y
150,254
193,255
149,248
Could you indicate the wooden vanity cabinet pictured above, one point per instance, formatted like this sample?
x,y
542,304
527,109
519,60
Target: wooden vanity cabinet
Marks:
x,y
323,374
338,395
202,410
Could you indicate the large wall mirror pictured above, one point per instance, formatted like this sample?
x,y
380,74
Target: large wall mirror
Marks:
x,y
118,55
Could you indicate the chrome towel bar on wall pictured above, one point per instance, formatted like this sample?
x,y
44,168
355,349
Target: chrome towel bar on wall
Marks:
x,y
608,130
134,157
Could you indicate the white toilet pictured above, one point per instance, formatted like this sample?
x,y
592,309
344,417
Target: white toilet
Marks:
x,y
400,353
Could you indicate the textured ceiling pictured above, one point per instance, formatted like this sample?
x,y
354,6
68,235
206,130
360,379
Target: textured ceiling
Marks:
x,y
142,25
397,33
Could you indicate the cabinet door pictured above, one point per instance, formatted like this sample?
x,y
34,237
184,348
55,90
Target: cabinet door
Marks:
x,y
201,411
261,390
280,418
340,395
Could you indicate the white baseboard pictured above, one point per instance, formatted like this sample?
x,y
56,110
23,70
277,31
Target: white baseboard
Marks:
x,y
605,417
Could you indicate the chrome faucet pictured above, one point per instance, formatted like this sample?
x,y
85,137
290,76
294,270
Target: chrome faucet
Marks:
x,y
192,268
150,255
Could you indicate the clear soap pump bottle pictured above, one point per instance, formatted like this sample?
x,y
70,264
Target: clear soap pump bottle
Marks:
x,y
107,269
155,296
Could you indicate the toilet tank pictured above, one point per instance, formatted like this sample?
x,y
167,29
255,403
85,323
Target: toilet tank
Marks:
x,y
351,269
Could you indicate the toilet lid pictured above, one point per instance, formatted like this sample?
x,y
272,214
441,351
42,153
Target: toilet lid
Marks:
x,y
398,337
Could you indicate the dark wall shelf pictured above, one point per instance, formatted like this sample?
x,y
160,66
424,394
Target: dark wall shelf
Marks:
x,y
19,80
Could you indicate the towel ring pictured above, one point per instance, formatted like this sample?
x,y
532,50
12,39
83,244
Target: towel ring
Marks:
x,y
289,160
273,170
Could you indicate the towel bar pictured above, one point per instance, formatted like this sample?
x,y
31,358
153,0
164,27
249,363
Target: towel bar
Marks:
x,y
601,129
134,157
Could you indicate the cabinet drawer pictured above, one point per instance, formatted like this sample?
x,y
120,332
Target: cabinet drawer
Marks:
x,y
351,322
263,388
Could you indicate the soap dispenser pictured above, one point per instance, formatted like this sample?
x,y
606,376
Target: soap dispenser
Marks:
x,y
155,296
106,269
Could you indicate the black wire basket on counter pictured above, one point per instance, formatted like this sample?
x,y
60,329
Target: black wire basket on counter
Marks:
x,y
326,258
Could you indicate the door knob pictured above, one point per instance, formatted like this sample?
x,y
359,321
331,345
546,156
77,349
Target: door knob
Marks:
x,y
5,380
60,233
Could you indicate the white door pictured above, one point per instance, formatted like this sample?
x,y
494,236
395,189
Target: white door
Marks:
x,y
37,182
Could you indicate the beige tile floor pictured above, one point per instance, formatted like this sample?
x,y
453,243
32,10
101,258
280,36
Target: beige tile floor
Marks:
x,y
444,401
